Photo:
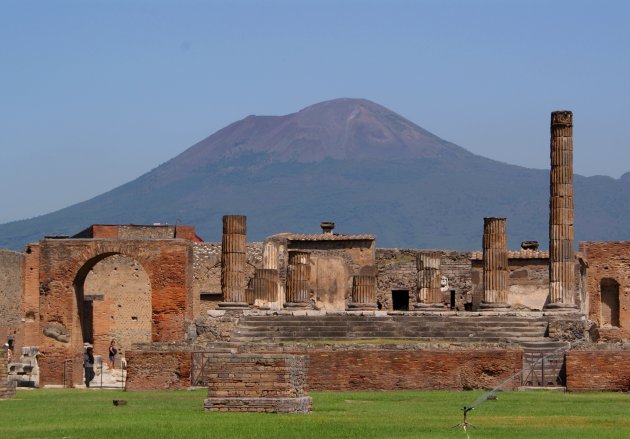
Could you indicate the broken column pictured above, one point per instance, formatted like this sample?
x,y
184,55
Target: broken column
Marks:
x,y
298,280
233,260
363,292
429,293
495,264
561,252
264,287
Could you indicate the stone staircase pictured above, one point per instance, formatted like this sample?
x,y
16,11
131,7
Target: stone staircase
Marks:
x,y
430,328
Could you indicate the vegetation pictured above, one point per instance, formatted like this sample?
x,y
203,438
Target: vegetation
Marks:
x,y
408,414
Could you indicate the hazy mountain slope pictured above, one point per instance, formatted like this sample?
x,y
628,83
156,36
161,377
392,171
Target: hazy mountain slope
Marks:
x,y
350,161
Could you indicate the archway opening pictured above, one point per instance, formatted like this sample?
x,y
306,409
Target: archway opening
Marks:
x,y
610,302
115,304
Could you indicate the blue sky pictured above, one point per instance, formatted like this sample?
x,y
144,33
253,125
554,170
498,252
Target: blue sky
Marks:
x,y
95,93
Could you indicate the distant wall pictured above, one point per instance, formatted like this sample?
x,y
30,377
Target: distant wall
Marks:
x,y
397,270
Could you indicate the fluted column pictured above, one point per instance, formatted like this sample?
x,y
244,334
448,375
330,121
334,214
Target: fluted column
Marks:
x,y
233,260
561,232
264,287
270,256
363,292
429,293
495,264
298,280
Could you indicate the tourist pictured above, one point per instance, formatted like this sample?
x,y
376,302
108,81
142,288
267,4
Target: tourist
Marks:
x,y
112,354
88,365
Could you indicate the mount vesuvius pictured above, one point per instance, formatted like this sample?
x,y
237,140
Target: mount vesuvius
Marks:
x,y
351,161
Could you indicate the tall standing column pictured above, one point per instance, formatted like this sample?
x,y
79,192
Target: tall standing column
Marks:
x,y
233,260
561,232
363,293
495,264
429,293
298,280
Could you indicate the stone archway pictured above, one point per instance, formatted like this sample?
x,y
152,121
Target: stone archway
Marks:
x,y
609,289
64,266
116,304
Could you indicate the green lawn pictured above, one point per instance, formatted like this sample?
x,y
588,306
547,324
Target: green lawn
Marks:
x,y
90,414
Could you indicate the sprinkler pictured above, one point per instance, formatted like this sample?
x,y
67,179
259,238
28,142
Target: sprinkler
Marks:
x,y
465,424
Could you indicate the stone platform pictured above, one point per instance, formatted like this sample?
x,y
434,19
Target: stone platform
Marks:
x,y
273,383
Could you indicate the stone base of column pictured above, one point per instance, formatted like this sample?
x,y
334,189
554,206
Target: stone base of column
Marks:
x,y
362,307
484,306
233,305
429,306
297,305
560,307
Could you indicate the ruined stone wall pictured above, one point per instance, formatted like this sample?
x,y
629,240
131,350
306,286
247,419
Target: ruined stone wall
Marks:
x,y
206,286
397,270
528,283
11,291
608,266
158,370
119,293
600,370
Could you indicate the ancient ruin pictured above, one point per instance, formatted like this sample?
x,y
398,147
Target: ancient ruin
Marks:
x,y
180,308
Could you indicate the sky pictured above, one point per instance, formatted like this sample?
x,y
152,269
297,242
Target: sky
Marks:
x,y
95,93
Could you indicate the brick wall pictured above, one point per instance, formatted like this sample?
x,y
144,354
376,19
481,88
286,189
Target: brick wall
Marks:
x,y
356,369
154,370
608,262
598,371
413,369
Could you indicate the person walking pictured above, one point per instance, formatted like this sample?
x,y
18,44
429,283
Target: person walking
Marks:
x,y
112,354
88,365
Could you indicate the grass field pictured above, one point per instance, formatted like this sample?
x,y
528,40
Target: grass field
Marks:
x,y
90,414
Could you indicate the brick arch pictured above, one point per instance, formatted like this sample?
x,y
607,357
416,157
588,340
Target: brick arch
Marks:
x,y
65,263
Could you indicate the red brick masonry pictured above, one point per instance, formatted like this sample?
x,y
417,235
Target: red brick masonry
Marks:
x,y
369,369
598,371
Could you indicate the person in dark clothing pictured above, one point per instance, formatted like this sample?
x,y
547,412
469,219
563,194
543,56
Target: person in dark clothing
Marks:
x,y
88,365
112,354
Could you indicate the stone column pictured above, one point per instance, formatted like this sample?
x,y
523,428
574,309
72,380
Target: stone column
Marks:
x,y
429,293
265,287
495,264
298,280
233,260
561,252
270,256
363,293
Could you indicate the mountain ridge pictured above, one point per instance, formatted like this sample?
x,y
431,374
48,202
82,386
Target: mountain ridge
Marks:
x,y
351,161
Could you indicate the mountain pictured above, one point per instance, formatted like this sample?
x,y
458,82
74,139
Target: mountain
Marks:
x,y
350,161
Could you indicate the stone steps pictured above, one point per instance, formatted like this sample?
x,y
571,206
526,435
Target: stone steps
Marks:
x,y
496,329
